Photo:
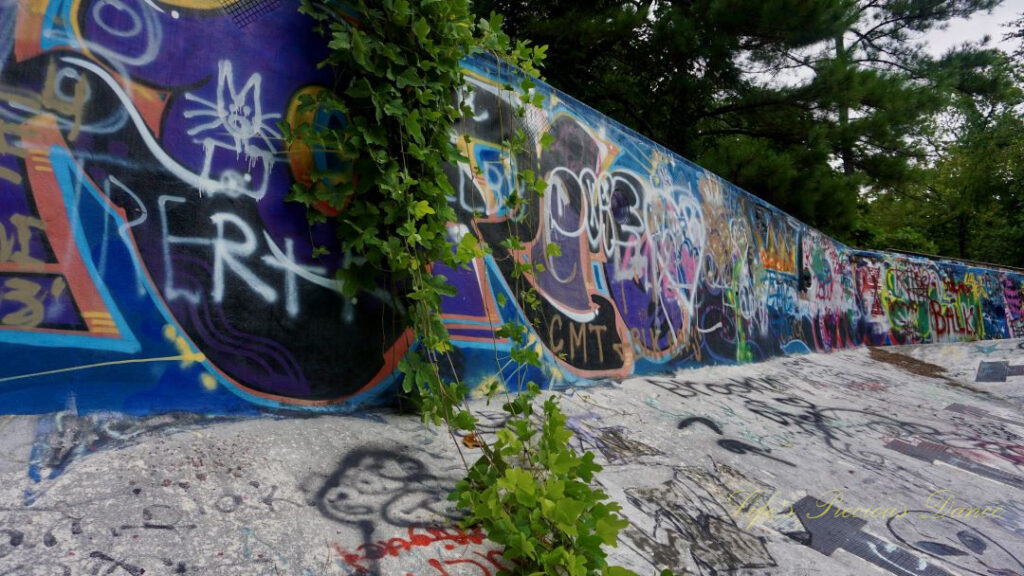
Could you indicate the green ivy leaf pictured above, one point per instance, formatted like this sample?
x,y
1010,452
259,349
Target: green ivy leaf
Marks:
x,y
409,77
463,420
546,140
468,250
400,12
421,28
607,529
421,208
340,41
567,511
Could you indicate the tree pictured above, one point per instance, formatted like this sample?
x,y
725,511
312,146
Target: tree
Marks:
x,y
864,103
806,103
971,200
675,71
1016,33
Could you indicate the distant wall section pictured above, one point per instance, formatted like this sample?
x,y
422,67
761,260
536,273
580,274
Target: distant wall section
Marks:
x,y
148,261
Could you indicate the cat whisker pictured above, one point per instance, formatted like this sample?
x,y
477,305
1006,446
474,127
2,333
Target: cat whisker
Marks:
x,y
203,127
267,130
193,98
193,113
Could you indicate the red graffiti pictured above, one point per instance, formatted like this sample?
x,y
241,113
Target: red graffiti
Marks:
x,y
1012,453
396,547
490,557
868,280
953,318
955,288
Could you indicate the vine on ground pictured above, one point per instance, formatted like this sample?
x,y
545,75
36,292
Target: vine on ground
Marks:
x,y
384,187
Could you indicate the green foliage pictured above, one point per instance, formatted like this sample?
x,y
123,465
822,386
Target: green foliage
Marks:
x,y
1016,32
969,201
534,494
402,62
387,194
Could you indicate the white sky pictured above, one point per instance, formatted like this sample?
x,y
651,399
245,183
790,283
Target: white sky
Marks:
x,y
962,30
936,42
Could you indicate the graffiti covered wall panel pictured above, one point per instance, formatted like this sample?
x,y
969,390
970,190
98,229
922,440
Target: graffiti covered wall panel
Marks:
x,y
146,246
149,262
905,299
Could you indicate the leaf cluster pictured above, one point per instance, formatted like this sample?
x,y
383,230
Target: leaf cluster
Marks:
x,y
398,69
535,495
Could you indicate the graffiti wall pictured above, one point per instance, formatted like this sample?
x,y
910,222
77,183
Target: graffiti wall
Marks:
x,y
149,262
912,300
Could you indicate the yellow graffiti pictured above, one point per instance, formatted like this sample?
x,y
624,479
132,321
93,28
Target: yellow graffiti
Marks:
x,y
73,108
31,297
91,366
16,248
188,356
10,175
776,252
37,7
208,381
23,292
7,148
46,100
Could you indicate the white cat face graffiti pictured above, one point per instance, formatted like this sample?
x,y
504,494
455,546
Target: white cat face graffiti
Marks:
x,y
235,123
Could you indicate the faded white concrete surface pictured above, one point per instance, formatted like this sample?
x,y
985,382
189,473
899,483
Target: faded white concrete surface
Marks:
x,y
707,464
962,362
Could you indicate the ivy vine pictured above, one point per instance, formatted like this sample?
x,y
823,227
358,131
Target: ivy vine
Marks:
x,y
399,77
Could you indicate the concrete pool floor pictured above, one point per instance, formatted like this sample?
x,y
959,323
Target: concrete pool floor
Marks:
x,y
865,461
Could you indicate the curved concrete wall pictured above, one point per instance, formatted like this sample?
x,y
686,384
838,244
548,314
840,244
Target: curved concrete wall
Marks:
x,y
149,263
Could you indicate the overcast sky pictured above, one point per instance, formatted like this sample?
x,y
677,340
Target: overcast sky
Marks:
x,y
961,30
937,42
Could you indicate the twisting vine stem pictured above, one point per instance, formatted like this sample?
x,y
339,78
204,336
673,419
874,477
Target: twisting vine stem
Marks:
x,y
383,185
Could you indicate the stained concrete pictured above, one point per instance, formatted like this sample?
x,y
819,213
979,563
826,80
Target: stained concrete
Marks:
x,y
843,464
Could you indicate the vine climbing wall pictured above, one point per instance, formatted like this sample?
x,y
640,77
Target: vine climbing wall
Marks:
x,y
149,262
